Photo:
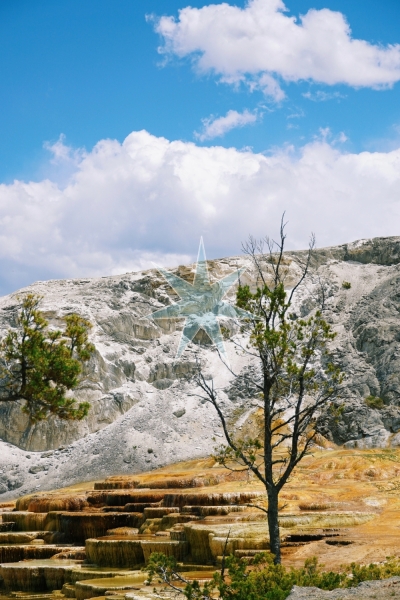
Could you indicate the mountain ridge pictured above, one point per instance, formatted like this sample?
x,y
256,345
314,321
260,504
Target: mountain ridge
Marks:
x,y
144,411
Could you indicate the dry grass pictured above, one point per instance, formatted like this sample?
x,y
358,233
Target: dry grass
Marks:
x,y
315,505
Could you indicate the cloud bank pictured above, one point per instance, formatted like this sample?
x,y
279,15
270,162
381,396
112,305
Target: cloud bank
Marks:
x,y
259,42
149,199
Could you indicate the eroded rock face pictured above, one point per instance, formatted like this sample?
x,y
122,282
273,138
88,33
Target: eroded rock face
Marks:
x,y
134,355
144,410
367,322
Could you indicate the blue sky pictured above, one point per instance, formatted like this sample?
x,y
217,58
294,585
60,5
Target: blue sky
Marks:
x,y
93,72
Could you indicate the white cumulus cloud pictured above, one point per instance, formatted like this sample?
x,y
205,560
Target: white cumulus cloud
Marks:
x,y
259,42
149,199
217,127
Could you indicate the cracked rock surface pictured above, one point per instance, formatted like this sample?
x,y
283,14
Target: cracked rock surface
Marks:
x,y
384,589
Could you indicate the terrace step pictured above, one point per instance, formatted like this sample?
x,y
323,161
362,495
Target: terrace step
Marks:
x,y
115,551
79,526
24,520
37,575
24,537
68,589
93,588
16,552
179,550
7,526
205,511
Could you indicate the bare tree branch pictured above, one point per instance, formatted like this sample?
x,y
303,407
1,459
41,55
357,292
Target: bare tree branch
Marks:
x,y
296,379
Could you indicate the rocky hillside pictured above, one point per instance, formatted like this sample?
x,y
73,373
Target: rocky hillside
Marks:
x,y
144,411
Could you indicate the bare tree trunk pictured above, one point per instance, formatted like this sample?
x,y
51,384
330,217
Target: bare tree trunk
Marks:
x,y
273,525
294,364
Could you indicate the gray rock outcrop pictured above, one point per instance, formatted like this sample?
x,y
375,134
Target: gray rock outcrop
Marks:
x,y
140,395
134,356
383,589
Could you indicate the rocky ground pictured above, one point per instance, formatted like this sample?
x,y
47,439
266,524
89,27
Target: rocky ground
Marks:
x,y
384,590
145,413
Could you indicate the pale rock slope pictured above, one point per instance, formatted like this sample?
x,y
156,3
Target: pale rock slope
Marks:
x,y
146,412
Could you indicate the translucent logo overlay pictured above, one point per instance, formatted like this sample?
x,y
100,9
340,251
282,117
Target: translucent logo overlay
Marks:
x,y
201,303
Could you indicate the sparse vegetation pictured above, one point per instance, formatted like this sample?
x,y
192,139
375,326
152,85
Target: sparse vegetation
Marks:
x,y
359,500
346,285
336,411
374,402
41,365
315,505
263,580
226,334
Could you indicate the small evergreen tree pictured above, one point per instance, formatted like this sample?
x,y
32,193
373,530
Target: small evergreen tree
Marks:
x,y
41,365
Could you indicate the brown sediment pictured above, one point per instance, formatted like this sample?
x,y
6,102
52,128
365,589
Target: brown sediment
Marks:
x,y
94,572
140,506
121,553
233,517
332,519
93,588
210,499
79,526
159,512
16,552
25,521
169,521
136,519
172,481
36,575
205,511
47,575
208,541
121,498
178,534
40,503
97,499
117,483
123,531
177,549
75,553
7,505
21,537
150,526
198,540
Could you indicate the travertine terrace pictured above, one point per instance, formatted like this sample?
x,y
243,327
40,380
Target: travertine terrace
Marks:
x,y
92,540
